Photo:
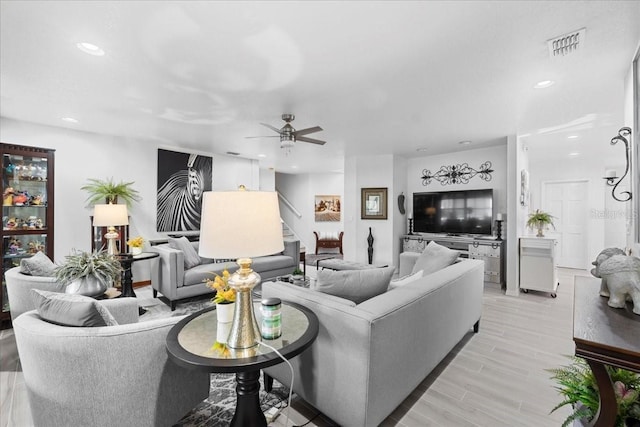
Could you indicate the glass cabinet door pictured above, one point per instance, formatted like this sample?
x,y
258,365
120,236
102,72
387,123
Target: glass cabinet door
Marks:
x,y
27,214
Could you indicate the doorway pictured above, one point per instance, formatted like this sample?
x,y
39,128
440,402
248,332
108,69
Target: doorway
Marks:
x,y
567,202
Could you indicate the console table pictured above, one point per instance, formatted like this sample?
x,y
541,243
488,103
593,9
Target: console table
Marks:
x,y
489,250
604,336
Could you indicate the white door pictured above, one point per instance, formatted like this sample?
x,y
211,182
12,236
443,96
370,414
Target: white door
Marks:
x,y
567,202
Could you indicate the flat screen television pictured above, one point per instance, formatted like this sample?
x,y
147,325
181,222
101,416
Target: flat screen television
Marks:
x,y
453,212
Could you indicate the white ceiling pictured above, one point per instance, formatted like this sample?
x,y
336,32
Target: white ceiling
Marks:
x,y
379,77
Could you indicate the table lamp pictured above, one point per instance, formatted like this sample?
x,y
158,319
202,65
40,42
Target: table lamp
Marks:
x,y
241,224
110,216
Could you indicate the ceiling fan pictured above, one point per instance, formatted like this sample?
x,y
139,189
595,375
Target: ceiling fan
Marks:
x,y
288,135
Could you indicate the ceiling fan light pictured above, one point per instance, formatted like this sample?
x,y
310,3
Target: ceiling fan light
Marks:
x,y
286,141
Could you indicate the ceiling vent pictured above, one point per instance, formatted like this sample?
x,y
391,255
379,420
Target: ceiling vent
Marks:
x,y
567,43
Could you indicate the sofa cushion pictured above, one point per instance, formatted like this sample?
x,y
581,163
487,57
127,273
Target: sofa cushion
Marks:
x,y
273,262
71,309
396,283
354,285
191,258
38,265
200,273
434,257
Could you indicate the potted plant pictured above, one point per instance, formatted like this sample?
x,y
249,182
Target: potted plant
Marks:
x,y
136,243
110,192
297,275
225,297
88,273
540,220
577,385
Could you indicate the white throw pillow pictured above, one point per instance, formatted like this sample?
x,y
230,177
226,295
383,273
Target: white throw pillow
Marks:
x,y
354,285
396,283
191,258
435,257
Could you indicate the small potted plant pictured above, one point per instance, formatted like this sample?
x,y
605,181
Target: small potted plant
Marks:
x,y
136,243
297,275
577,385
541,221
88,273
225,297
108,191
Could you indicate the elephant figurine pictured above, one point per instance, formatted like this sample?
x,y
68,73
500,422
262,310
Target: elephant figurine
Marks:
x,y
602,257
622,276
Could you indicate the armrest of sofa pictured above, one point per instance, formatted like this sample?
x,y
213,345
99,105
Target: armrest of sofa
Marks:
x,y
171,271
292,249
407,261
124,310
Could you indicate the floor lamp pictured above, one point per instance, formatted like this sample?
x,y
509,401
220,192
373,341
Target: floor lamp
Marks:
x,y
241,224
110,216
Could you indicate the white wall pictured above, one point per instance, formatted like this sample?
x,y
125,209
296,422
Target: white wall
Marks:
x,y
518,160
474,158
81,155
300,190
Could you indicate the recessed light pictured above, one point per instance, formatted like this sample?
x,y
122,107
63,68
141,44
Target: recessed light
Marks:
x,y
90,48
422,149
575,153
464,142
572,136
70,120
262,156
294,167
543,84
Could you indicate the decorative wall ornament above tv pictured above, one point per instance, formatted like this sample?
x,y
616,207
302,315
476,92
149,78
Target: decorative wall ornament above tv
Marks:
x,y
457,174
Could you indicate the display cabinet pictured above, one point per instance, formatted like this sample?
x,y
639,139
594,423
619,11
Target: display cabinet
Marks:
x,y
27,208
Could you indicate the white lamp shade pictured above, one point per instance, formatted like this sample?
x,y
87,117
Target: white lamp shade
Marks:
x,y
240,224
110,215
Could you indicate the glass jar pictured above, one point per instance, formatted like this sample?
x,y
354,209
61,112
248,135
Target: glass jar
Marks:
x,y
271,327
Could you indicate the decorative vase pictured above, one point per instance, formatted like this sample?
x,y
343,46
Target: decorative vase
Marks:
x,y
225,312
135,250
370,248
540,231
89,286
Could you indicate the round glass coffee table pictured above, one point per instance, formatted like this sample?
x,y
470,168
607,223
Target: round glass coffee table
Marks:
x,y
190,343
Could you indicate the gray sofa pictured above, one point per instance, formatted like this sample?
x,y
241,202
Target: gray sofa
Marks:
x,y
176,283
369,357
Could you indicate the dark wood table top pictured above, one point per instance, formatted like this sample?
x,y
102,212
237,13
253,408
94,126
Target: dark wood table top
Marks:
x,y
602,333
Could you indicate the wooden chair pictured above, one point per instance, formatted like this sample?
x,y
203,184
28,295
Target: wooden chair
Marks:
x,y
329,242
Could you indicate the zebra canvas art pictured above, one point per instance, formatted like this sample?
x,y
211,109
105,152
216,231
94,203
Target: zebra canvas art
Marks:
x,y
182,178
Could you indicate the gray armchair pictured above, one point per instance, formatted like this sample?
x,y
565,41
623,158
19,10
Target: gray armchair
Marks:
x,y
105,376
19,289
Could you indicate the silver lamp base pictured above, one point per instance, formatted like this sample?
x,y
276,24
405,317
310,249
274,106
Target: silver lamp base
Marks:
x,y
244,333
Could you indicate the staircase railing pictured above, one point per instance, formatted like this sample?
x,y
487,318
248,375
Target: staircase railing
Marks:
x,y
288,204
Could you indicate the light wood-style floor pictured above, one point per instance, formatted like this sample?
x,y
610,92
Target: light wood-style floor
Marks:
x,y
494,378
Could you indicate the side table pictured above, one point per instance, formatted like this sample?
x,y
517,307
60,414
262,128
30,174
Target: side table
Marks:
x,y
190,344
604,336
126,260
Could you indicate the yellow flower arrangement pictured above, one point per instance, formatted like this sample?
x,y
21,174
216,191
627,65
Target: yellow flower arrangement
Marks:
x,y
224,294
136,242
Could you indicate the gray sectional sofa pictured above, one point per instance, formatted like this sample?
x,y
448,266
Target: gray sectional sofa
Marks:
x,y
369,357
176,283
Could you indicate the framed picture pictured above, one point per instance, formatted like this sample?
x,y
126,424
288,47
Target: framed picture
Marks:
x,y
327,208
374,203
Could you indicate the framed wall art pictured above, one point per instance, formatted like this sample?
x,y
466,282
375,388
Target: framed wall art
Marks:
x,y
327,208
182,178
373,203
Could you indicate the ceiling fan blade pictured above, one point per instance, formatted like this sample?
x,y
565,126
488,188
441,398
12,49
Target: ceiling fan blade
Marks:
x,y
307,131
311,140
271,127
263,136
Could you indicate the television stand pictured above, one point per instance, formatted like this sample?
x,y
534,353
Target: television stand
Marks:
x,y
489,250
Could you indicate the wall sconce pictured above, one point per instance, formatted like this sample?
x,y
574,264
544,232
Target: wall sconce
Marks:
x,y
624,135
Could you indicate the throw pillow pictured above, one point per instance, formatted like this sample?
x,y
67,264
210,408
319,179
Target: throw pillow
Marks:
x,y
71,309
354,285
396,283
191,258
435,257
38,265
